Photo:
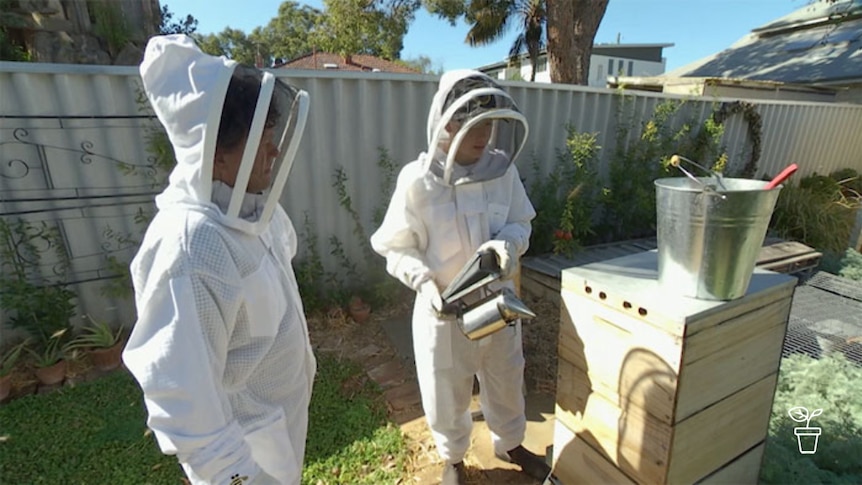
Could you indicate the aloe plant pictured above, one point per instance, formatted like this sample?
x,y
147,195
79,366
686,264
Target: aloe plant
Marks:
x,y
97,335
53,351
10,358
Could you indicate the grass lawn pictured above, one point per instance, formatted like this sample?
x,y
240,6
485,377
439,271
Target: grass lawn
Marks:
x,y
96,433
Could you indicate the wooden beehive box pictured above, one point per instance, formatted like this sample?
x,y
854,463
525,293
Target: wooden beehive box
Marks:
x,y
657,388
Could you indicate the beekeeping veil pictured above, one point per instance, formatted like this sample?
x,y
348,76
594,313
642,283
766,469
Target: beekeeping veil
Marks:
x,y
470,100
272,138
188,90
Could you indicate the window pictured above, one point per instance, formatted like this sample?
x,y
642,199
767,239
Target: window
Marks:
x,y
542,64
631,67
610,67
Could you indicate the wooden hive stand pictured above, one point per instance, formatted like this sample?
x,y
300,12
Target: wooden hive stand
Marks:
x,y
655,388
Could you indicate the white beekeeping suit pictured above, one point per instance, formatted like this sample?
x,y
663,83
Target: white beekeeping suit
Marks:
x,y
443,211
220,348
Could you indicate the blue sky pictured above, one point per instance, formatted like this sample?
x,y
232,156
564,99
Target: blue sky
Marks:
x,y
697,28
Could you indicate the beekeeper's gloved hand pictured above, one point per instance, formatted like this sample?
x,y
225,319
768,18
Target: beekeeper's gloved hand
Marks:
x,y
430,292
507,257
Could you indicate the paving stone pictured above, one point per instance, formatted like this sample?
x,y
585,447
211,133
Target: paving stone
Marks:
x,y
403,396
388,374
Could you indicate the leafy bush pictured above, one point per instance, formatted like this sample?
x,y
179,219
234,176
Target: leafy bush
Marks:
x,y
819,211
36,305
831,384
567,199
848,265
578,204
320,288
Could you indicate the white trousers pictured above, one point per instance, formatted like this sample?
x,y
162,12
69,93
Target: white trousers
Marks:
x,y
446,361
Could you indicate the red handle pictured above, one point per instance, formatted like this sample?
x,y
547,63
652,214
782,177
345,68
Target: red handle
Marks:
x,y
787,172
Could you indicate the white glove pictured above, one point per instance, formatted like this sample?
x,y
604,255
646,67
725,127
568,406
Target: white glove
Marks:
x,y
429,291
507,257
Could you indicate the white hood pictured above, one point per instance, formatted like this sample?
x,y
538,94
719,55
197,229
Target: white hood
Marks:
x,y
504,146
187,89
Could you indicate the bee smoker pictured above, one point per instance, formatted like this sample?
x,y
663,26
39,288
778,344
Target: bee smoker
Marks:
x,y
493,312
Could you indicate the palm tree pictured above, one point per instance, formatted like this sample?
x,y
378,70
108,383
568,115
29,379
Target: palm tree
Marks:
x,y
492,18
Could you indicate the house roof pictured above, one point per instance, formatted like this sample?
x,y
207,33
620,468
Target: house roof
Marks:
x,y
356,62
808,46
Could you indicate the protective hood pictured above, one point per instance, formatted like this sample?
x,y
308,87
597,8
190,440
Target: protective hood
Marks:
x,y
188,91
475,129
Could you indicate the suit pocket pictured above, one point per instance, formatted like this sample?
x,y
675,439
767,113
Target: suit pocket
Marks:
x,y
265,302
443,239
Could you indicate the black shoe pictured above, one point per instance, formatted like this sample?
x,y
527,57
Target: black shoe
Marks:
x,y
530,463
454,474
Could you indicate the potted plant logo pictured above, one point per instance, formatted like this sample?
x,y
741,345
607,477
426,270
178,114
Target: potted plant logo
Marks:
x,y
806,436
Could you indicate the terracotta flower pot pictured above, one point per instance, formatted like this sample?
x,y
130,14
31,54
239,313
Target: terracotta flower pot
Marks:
x,y
53,374
5,386
107,358
359,310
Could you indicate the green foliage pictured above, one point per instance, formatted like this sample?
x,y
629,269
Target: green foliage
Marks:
x,y
577,205
10,356
167,24
234,44
35,305
310,274
345,27
10,51
817,211
423,64
581,202
831,384
104,438
51,351
320,288
848,265
567,198
110,24
640,157
350,438
850,181
289,34
41,311
96,335
374,27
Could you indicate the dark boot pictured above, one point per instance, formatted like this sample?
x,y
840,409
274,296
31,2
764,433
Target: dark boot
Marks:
x,y
530,463
454,474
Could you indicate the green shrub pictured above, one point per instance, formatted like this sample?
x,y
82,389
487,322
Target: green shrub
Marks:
x,y
816,211
831,384
567,199
848,266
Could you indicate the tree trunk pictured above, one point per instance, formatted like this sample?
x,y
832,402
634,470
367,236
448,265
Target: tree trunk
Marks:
x,y
534,59
572,26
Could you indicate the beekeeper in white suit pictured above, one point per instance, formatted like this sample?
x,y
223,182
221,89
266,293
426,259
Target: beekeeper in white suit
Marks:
x,y
220,348
461,196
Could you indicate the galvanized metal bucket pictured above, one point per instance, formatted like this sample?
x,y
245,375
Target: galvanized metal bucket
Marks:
x,y
709,234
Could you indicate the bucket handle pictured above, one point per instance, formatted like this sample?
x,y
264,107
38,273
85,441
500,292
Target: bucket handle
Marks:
x,y
675,161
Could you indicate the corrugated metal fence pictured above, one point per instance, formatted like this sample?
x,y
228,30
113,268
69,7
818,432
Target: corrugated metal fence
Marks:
x,y
70,133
